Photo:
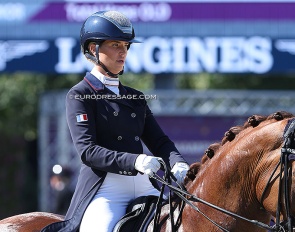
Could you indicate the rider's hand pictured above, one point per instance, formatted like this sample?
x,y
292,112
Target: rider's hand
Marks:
x,y
147,164
179,170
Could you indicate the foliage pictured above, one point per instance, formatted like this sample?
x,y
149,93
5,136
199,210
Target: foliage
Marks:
x,y
143,82
19,94
236,81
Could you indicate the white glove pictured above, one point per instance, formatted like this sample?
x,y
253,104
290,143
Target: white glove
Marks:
x,y
147,164
179,170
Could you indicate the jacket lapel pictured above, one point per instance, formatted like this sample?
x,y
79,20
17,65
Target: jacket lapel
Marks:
x,y
94,82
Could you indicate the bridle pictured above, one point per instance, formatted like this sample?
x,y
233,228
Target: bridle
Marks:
x,y
287,156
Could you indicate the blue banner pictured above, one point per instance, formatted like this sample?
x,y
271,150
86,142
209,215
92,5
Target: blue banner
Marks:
x,y
256,54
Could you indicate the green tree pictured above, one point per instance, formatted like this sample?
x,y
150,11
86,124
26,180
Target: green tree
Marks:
x,y
19,96
236,81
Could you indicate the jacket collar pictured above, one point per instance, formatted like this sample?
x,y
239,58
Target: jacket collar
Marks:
x,y
97,85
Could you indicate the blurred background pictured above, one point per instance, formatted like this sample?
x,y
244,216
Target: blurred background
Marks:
x,y
210,63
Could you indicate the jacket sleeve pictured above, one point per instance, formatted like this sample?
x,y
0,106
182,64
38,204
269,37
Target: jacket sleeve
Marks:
x,y
84,137
158,142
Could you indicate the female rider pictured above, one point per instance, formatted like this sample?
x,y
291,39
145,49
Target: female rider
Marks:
x,y
107,122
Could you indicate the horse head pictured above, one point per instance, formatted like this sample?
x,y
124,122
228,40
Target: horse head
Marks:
x,y
242,175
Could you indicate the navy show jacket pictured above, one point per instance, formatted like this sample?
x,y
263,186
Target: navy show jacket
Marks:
x,y
107,132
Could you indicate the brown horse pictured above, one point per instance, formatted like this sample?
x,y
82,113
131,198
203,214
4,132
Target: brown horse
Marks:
x,y
236,175
241,174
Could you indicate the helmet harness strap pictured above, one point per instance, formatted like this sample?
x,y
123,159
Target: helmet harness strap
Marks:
x,y
97,61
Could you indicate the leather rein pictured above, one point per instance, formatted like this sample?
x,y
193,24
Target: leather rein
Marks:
x,y
287,156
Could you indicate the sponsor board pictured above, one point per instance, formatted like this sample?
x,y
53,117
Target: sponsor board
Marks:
x,y
256,54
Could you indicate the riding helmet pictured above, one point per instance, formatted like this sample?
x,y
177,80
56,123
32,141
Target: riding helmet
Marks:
x,y
106,25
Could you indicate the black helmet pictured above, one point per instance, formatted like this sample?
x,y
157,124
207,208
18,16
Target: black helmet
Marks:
x,y
106,25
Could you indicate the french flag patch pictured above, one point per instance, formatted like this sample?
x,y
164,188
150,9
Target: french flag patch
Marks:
x,y
82,118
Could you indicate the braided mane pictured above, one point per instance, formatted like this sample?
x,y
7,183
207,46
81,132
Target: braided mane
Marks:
x,y
230,135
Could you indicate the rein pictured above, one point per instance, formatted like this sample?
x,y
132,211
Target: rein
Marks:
x,y
287,155
189,198
167,180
